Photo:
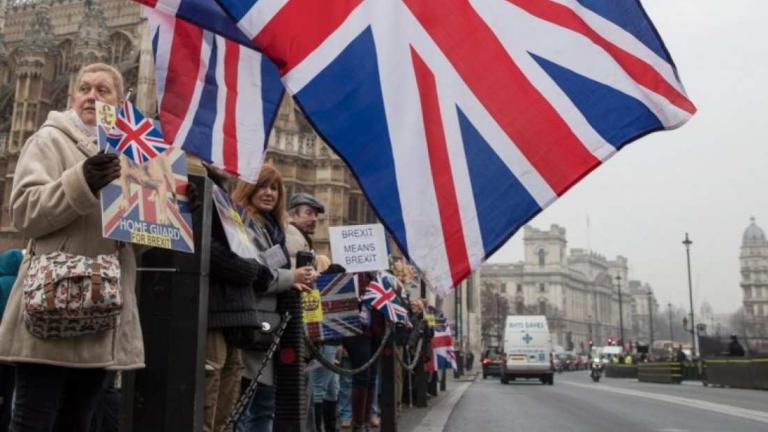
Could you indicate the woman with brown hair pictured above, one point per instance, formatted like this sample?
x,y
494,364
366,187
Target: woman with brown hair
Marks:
x,y
265,205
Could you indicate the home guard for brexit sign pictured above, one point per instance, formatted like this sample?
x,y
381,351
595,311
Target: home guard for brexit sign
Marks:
x,y
359,248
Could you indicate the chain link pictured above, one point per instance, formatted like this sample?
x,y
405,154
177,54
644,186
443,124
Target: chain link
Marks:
x,y
247,395
410,367
347,372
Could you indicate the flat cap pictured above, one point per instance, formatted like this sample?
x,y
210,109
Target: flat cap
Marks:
x,y
305,199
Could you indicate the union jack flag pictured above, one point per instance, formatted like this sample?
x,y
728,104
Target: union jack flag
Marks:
x,y
341,312
381,295
443,356
135,136
216,98
463,119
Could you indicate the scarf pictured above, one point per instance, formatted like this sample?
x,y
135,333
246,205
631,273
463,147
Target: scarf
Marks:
x,y
88,131
276,234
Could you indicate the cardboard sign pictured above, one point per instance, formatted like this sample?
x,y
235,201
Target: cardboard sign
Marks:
x,y
359,248
313,308
233,220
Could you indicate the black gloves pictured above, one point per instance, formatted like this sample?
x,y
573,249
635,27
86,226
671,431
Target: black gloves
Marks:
x,y
100,170
193,198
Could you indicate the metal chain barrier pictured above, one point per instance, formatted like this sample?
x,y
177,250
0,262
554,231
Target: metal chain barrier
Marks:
x,y
410,367
343,371
247,395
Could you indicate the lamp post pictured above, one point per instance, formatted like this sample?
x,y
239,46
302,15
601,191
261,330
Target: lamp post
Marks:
x,y
687,242
621,313
650,319
669,310
498,316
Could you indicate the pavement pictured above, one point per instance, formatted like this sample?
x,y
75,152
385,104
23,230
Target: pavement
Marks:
x,y
435,416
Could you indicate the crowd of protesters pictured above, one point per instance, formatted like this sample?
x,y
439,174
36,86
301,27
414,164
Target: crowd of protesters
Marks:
x,y
63,383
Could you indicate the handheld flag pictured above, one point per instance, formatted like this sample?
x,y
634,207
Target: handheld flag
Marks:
x,y
381,295
442,348
134,135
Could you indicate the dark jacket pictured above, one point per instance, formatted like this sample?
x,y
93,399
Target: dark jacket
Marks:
x,y
735,349
232,299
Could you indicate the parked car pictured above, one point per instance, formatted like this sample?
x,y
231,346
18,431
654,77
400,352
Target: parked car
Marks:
x,y
492,360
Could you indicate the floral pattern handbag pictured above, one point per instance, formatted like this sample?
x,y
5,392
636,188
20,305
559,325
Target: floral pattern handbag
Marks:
x,y
67,295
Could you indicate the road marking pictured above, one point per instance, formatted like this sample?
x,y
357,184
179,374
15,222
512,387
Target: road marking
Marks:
x,y
437,417
760,416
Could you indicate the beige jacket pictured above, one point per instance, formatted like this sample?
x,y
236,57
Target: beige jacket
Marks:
x,y
294,242
52,204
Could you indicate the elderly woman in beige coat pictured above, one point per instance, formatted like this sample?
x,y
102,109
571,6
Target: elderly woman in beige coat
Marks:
x,y
55,204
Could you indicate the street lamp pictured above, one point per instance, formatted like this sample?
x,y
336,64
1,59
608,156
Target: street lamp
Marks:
x,y
687,242
669,310
650,319
621,314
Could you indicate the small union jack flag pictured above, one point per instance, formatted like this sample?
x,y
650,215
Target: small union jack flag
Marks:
x,y
380,295
135,136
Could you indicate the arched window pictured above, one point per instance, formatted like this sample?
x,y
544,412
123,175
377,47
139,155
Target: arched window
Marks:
x,y
542,307
542,257
64,58
120,48
519,308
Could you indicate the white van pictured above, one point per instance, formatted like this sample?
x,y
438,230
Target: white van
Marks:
x,y
527,349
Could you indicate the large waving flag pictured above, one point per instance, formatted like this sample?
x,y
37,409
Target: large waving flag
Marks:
x,y
462,119
217,99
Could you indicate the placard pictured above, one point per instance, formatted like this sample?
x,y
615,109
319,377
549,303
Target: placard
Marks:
x,y
359,248
233,220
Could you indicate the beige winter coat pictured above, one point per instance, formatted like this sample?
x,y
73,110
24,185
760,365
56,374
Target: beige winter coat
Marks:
x,y
52,204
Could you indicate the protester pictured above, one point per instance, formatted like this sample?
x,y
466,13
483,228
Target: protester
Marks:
x,y
303,210
265,205
734,348
360,350
680,354
54,202
10,261
233,313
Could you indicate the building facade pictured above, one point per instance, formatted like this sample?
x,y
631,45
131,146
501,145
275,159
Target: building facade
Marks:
x,y
577,290
44,43
754,281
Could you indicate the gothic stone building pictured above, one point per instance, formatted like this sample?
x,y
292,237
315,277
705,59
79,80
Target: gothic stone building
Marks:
x,y
43,43
578,292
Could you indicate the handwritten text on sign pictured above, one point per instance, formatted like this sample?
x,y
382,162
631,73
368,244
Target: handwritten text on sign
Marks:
x,y
359,248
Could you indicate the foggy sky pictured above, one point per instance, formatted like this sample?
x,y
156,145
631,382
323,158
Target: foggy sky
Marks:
x,y
706,178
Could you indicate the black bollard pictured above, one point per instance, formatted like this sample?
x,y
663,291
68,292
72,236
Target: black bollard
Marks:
x,y
387,399
172,292
459,371
290,396
432,384
421,386
442,380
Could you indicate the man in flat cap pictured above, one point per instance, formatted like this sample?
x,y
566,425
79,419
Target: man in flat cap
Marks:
x,y
302,211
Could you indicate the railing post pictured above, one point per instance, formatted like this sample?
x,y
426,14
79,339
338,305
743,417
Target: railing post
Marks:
x,y
387,401
172,293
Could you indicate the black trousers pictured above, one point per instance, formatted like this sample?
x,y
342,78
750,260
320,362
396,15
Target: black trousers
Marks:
x,y
53,398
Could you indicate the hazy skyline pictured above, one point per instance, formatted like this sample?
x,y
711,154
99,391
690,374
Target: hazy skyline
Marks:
x,y
706,178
